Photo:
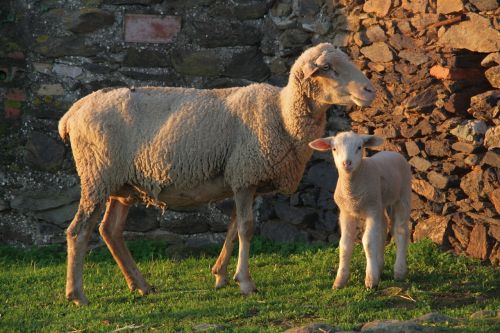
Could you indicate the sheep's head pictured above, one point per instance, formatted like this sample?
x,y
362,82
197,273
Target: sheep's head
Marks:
x,y
347,148
327,76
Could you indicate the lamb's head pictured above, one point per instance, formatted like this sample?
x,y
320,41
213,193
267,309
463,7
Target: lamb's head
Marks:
x,y
327,76
347,148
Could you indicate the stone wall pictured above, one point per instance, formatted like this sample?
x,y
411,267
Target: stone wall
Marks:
x,y
425,57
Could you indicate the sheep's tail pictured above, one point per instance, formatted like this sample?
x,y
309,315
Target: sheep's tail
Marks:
x,y
63,126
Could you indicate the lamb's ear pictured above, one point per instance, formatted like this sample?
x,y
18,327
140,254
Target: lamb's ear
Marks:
x,y
323,144
309,69
372,140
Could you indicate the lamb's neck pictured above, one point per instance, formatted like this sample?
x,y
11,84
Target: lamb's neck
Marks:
x,y
353,184
303,118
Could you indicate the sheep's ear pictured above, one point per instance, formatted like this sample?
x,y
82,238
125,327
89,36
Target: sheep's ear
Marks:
x,y
323,144
309,69
372,140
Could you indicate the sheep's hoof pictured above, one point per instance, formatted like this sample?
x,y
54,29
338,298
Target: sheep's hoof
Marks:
x,y
247,287
220,281
144,290
77,298
400,275
371,283
338,285
340,282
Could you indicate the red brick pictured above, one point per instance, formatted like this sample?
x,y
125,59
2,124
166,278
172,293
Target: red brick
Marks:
x,y
151,28
16,95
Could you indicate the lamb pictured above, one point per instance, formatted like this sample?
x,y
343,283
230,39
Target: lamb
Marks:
x,y
179,147
366,189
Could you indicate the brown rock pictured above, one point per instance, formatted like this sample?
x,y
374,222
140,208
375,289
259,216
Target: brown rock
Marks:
x,y
423,100
449,6
475,34
492,137
493,76
387,132
464,147
437,148
491,158
412,148
495,255
375,33
485,106
379,7
426,190
494,231
377,52
445,73
415,6
484,5
478,244
472,183
438,180
436,228
495,200
491,59
419,163
414,57
461,229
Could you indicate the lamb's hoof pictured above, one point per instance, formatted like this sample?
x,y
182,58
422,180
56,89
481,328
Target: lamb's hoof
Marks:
x,y
146,289
340,282
247,287
220,281
338,285
77,298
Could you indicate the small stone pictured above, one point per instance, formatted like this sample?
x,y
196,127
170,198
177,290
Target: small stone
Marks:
x,y
472,131
44,153
434,317
478,246
475,34
67,70
472,184
495,199
51,90
151,28
392,326
485,5
375,33
87,20
43,68
438,180
312,328
436,228
464,147
419,163
491,59
423,100
208,327
426,190
437,148
493,76
485,106
377,52
414,57
379,7
492,158
412,148
449,6
281,232
492,137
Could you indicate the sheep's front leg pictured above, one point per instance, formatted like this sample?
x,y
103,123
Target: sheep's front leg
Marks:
x,y
219,270
111,230
77,236
244,219
348,225
373,244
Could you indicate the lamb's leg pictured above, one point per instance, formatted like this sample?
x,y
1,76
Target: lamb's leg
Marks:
x,y
401,234
219,270
348,226
244,219
373,244
78,235
111,230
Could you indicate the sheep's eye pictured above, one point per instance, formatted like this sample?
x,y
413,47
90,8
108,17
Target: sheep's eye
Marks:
x,y
334,149
359,147
325,67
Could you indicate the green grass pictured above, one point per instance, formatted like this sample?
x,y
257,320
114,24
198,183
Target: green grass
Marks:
x,y
294,284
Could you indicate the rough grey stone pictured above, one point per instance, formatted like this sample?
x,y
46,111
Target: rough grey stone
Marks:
x,y
471,131
145,58
60,216
142,219
210,33
38,201
184,222
294,39
4,205
208,327
312,328
66,70
295,215
87,20
43,152
392,326
434,317
157,234
322,175
282,232
68,46
475,34
204,240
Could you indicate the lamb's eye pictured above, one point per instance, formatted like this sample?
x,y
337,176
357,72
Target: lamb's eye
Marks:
x,y
334,149
359,147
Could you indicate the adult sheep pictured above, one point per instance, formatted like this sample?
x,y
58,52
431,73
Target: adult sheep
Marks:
x,y
179,147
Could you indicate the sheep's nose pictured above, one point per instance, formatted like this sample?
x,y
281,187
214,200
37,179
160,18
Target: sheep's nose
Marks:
x,y
347,163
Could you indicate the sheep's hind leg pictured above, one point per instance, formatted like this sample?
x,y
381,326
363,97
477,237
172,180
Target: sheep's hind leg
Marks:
x,y
219,270
111,230
348,226
78,235
401,233
373,244
244,219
